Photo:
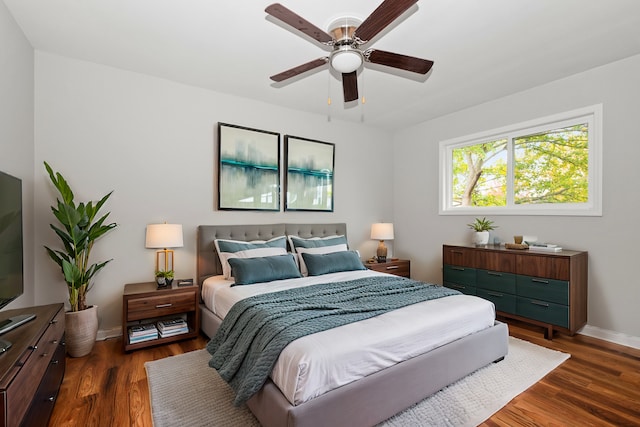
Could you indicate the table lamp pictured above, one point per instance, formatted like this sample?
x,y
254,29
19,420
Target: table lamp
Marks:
x,y
382,231
164,236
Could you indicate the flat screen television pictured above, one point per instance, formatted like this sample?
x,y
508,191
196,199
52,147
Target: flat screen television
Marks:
x,y
11,261
11,264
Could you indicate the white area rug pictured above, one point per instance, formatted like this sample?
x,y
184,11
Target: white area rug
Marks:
x,y
186,392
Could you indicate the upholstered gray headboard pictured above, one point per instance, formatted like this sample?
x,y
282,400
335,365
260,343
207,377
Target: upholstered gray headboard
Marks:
x,y
208,263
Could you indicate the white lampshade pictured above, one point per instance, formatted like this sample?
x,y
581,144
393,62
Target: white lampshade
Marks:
x,y
164,236
382,231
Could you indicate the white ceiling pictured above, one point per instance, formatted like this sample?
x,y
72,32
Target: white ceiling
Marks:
x,y
482,49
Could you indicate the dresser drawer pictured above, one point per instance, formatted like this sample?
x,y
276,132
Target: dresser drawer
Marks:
x,y
33,365
544,265
465,289
496,281
544,311
455,255
503,301
551,290
160,305
459,275
45,398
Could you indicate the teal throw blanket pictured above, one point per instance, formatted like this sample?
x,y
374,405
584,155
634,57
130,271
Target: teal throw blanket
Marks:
x,y
257,329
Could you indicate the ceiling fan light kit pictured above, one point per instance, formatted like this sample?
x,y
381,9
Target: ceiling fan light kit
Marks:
x,y
346,36
346,59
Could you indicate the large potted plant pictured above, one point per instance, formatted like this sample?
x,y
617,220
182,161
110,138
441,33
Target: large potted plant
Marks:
x,y
482,227
78,231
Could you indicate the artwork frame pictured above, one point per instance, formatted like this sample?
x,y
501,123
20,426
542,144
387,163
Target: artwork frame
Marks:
x,y
309,174
248,162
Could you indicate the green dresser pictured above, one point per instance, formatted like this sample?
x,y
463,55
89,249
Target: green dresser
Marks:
x,y
547,289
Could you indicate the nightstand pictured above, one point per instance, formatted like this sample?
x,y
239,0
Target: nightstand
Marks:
x,y
145,303
399,267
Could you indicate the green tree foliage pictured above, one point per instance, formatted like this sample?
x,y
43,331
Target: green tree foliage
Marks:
x,y
549,167
479,174
552,167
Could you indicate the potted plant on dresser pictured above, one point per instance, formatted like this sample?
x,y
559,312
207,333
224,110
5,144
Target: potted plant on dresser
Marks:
x,y
78,232
482,227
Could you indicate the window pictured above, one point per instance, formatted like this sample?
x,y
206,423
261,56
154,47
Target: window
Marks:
x,y
548,166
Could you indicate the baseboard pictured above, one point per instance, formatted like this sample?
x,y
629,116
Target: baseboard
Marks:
x,y
611,336
104,334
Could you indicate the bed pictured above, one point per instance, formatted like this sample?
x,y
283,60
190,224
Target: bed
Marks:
x,y
372,397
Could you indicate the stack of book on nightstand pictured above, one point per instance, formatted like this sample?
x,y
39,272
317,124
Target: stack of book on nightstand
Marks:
x,y
140,333
171,327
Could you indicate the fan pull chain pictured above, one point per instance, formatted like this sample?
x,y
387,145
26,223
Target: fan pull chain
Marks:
x,y
364,99
328,97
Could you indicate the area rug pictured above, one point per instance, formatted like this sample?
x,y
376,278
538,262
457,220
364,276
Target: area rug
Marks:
x,y
186,392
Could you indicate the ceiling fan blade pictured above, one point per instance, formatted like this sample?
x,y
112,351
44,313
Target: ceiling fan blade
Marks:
x,y
396,60
384,15
350,86
299,69
285,15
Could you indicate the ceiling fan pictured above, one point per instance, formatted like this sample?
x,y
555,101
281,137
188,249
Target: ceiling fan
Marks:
x,y
346,37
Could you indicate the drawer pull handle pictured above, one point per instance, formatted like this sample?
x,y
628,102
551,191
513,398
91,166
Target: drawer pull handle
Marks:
x,y
456,252
55,362
495,294
53,321
44,354
164,305
457,268
544,282
541,304
54,342
494,273
33,347
457,286
393,267
51,399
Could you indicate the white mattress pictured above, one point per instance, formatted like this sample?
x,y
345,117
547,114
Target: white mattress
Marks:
x,y
317,363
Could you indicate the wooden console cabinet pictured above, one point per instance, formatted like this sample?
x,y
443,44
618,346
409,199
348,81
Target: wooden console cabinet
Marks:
x,y
544,288
32,369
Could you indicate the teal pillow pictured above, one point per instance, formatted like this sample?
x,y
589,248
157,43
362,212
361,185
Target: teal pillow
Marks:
x,y
247,271
333,262
299,242
239,249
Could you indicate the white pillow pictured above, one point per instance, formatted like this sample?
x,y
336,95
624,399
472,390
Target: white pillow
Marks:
x,y
316,245
239,249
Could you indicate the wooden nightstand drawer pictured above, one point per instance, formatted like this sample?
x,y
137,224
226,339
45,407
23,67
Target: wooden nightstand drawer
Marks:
x,y
401,267
161,305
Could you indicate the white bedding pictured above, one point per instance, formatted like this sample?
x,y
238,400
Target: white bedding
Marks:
x,y
317,363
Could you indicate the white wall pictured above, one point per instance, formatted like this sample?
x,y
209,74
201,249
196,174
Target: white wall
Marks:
x,y
152,142
611,240
16,131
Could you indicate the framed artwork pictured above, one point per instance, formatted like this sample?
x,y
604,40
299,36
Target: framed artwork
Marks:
x,y
248,168
309,174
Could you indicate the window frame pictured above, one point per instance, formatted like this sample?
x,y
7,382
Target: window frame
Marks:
x,y
592,115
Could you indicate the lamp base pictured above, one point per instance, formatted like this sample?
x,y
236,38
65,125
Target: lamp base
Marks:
x,y
381,253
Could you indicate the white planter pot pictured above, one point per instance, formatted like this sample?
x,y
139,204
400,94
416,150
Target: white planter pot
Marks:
x,y
81,329
481,237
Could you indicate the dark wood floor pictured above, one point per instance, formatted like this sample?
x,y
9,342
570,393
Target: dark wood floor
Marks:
x,y
599,385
